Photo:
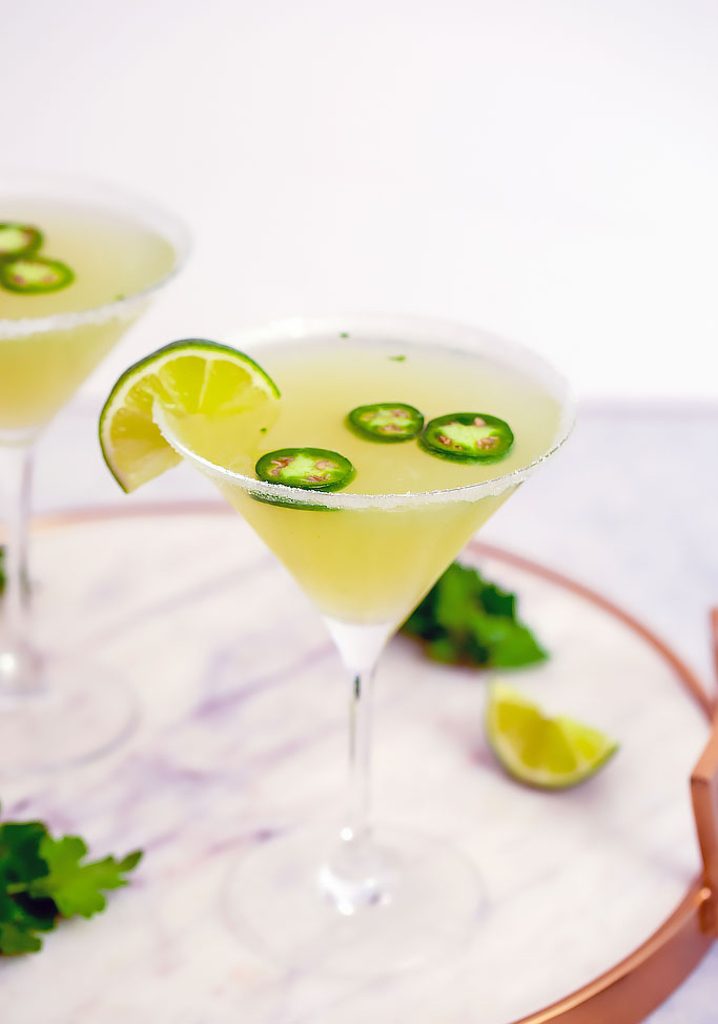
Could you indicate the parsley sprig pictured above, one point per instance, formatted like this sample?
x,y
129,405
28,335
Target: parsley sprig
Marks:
x,y
467,620
43,879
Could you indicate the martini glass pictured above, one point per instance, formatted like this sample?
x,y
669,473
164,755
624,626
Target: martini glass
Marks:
x,y
121,251
362,897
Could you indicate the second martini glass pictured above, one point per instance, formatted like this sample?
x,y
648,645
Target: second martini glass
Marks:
x,y
79,263
364,898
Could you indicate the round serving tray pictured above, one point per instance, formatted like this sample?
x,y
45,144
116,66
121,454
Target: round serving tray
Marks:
x,y
602,892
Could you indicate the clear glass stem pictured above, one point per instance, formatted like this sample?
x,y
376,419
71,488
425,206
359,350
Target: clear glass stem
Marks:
x,y
357,825
357,874
20,662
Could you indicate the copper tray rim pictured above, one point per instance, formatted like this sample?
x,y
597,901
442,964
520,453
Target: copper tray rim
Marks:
x,y
627,992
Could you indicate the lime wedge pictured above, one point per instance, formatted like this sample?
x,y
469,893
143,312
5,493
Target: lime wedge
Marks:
x,y
188,379
549,753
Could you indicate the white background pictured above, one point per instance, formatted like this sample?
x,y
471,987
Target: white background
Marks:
x,y
545,169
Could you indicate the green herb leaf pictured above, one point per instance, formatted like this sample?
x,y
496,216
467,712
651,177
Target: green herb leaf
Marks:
x,y
19,927
77,888
20,859
2,569
20,862
43,879
468,620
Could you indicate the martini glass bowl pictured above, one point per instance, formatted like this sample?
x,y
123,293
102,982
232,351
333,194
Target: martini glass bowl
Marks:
x,y
55,711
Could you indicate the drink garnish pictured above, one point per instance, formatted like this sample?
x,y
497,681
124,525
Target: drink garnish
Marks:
x,y
314,469
34,275
468,437
547,753
18,240
22,270
468,620
386,421
43,879
192,377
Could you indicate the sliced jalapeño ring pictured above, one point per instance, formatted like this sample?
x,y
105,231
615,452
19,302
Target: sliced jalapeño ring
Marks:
x,y
468,437
314,469
34,275
18,240
386,421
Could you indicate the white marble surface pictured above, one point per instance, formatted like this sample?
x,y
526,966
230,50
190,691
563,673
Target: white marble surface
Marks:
x,y
640,528
243,739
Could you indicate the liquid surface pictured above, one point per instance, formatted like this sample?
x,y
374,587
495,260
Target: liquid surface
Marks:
x,y
111,257
322,381
373,565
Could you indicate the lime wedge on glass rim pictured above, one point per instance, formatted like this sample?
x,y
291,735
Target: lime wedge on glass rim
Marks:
x,y
548,753
187,378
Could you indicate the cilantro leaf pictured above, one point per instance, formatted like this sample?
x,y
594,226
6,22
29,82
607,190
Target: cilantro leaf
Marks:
x,y
2,569
74,887
15,939
20,859
20,920
509,643
465,619
43,879
20,862
497,601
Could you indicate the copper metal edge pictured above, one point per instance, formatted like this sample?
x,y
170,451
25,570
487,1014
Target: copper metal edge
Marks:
x,y
630,990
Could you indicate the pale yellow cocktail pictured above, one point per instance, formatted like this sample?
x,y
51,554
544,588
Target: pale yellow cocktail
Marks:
x,y
373,565
79,263
112,257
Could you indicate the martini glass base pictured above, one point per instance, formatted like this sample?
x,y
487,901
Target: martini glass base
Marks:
x,y
288,901
80,714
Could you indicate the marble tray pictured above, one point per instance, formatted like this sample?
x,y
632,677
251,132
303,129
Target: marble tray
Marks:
x,y
241,735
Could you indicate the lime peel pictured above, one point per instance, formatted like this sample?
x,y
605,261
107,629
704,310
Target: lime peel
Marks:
x,y
546,753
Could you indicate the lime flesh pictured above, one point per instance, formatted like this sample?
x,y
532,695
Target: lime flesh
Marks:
x,y
549,753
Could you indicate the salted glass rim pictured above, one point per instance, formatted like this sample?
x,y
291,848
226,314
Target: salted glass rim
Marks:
x,y
422,330
18,184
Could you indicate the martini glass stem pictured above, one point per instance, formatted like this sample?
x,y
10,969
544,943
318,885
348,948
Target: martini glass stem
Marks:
x,y
19,661
354,875
357,825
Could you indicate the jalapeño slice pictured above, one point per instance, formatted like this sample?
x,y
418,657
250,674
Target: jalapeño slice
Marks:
x,y
315,469
468,437
34,275
18,240
386,421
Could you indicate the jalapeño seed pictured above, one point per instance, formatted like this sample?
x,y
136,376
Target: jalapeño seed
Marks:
x,y
468,437
315,469
18,240
33,276
386,421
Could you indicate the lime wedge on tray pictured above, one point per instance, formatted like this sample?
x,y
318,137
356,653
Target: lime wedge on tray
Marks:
x,y
187,378
549,753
